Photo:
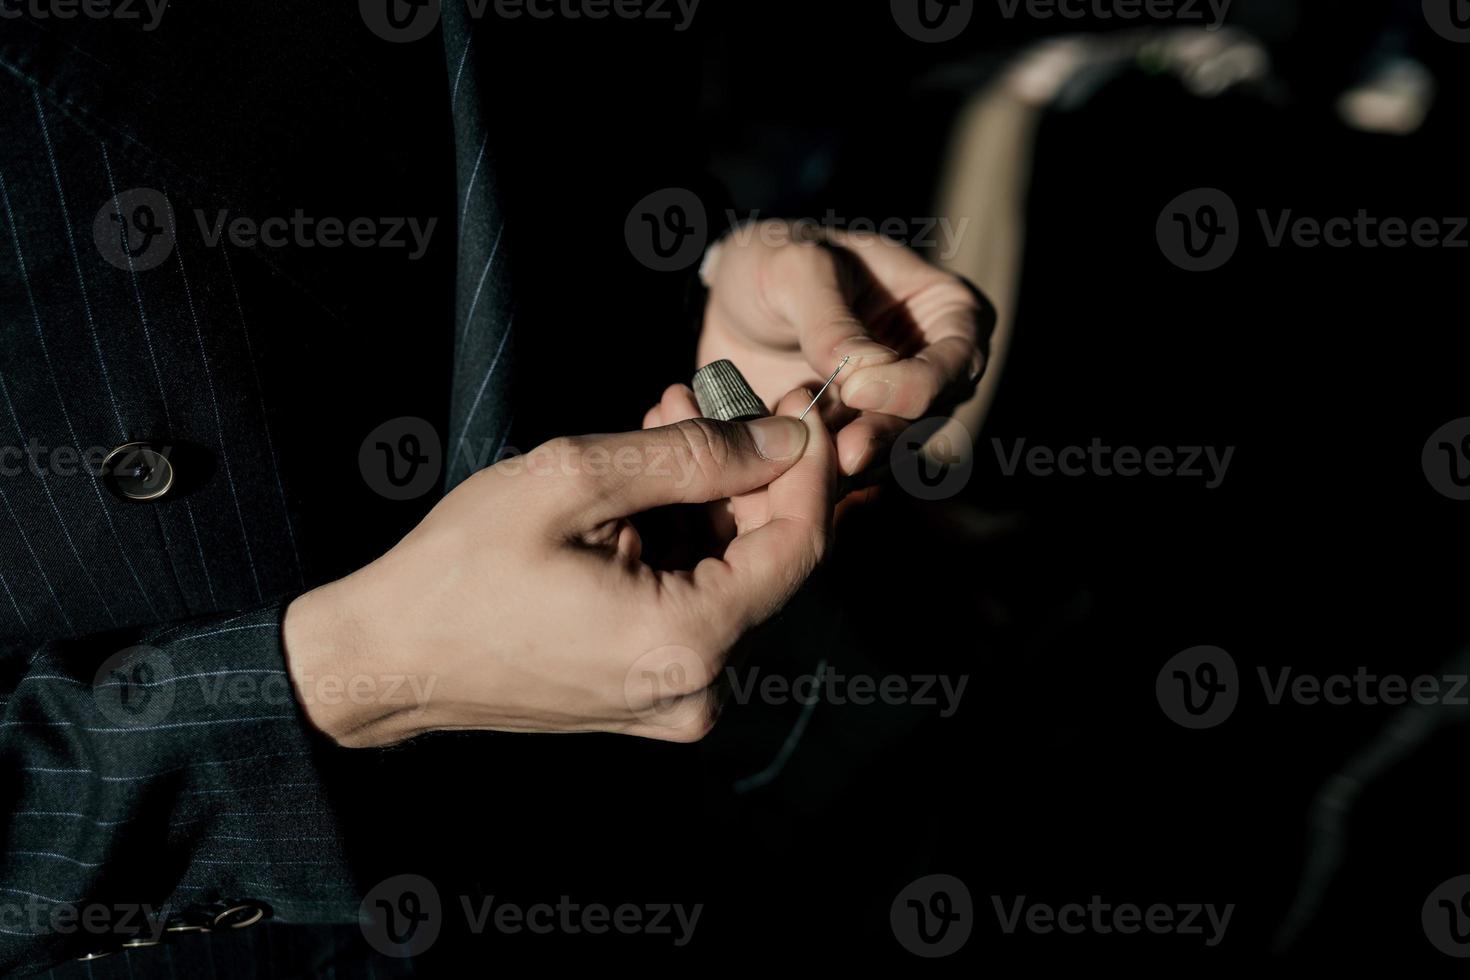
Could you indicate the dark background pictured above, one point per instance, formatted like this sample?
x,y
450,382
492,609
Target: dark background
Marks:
x,y
1060,778
1060,599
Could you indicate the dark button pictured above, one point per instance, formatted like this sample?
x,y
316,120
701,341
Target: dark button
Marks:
x,y
245,913
140,943
191,920
139,471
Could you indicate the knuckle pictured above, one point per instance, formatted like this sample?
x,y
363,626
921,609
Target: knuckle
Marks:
x,y
684,673
839,317
796,258
931,383
560,447
707,443
563,456
692,721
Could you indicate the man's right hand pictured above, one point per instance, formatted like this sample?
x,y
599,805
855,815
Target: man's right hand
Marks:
x,y
522,597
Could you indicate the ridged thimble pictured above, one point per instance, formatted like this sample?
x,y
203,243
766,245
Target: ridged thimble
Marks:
x,y
724,394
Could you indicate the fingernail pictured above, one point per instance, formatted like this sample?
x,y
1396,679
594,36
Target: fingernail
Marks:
x,y
862,348
869,396
778,438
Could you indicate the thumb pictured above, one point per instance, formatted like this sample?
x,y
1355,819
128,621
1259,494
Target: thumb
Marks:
x,y
691,462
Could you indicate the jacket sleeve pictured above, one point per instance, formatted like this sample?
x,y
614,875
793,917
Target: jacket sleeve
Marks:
x,y
160,779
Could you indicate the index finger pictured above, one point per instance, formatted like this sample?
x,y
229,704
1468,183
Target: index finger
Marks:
x,y
810,294
950,315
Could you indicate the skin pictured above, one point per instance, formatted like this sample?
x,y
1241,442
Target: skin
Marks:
x,y
523,600
788,303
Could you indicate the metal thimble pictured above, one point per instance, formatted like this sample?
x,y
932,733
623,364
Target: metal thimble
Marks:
x,y
724,394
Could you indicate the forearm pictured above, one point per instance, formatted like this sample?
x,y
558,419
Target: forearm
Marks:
x,y
983,194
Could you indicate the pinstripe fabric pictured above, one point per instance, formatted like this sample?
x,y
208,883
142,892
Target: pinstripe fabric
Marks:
x,y
219,784
186,780
480,416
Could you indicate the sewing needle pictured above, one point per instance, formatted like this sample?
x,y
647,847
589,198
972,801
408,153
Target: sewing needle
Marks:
x,y
802,417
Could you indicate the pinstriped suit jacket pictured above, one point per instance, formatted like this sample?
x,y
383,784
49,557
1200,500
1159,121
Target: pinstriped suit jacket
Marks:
x,y
181,777
197,785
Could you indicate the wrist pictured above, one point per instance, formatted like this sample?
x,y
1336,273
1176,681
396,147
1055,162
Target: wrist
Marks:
x,y
328,642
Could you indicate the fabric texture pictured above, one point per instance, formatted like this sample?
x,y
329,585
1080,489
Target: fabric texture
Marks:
x,y
158,769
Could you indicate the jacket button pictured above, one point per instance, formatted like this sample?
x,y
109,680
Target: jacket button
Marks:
x,y
138,471
238,916
142,942
191,920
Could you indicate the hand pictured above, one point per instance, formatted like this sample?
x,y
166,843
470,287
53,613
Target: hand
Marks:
x,y
524,597
787,304
721,520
